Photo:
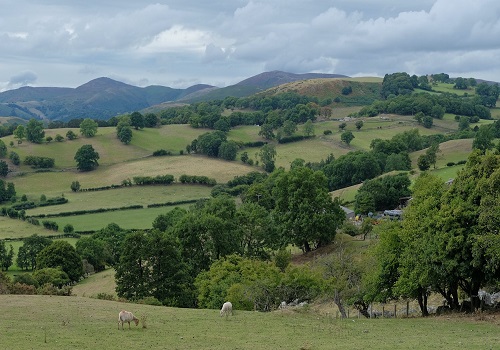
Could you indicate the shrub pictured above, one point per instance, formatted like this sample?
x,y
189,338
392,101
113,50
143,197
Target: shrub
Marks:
x,y
161,152
327,132
149,301
105,296
450,164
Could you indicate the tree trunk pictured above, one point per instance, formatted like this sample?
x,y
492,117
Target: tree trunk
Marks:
x,y
362,307
338,302
307,247
422,302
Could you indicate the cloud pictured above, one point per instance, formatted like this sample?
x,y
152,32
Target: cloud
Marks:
x,y
222,40
22,79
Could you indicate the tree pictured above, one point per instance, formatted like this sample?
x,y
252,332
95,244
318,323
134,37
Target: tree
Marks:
x,y
3,149
48,139
34,131
32,245
266,131
125,135
385,191
259,235
484,139
359,124
49,275
309,128
423,162
151,120
14,157
86,158
289,127
267,154
59,138
94,251
463,123
427,121
75,186
70,135
431,154
306,212
20,133
4,168
88,127
68,228
6,256
342,126
347,137
151,266
61,254
137,120
228,150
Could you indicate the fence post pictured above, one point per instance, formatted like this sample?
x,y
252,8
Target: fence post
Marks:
x,y
383,310
394,310
407,308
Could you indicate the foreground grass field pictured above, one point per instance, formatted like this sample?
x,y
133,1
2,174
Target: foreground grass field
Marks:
x,y
84,323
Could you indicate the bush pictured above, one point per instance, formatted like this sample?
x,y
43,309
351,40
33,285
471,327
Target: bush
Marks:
x,y
450,164
105,296
161,152
39,162
149,301
327,132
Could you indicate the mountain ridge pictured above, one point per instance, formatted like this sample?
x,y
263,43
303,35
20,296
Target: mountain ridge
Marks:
x,y
103,97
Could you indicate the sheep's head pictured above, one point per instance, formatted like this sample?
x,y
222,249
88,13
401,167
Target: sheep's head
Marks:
x,y
136,320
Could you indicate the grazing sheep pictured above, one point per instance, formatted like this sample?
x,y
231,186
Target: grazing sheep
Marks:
x,y
126,316
227,308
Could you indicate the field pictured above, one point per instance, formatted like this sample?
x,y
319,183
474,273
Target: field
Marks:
x,y
85,323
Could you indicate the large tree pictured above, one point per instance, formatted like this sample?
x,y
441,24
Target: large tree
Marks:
x,y
86,158
151,266
305,210
137,120
32,245
88,127
34,131
63,255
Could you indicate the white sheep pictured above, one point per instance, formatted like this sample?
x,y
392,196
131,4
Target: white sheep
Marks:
x,y
126,316
227,308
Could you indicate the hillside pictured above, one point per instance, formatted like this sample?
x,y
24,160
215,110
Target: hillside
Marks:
x,y
103,98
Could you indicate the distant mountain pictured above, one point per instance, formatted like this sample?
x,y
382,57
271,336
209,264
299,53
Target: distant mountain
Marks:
x,y
255,84
103,98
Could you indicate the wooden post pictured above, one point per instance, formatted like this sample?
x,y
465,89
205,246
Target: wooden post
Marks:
x,y
394,310
383,310
359,314
347,312
407,308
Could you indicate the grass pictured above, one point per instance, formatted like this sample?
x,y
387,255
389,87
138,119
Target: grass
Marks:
x,y
101,282
84,323
120,197
127,219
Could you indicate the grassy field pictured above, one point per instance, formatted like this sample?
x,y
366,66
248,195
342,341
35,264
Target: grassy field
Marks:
x,y
134,195
127,219
85,323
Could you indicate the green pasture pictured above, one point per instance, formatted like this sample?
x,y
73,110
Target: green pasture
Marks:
x,y
127,219
85,323
445,87
172,138
14,228
126,196
101,282
246,133
447,173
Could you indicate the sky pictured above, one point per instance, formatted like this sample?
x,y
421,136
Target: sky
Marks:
x,y
180,43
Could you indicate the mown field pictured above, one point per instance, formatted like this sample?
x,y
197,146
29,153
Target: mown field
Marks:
x,y
85,323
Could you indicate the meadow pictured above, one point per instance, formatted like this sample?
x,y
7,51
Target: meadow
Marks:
x,y
85,323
